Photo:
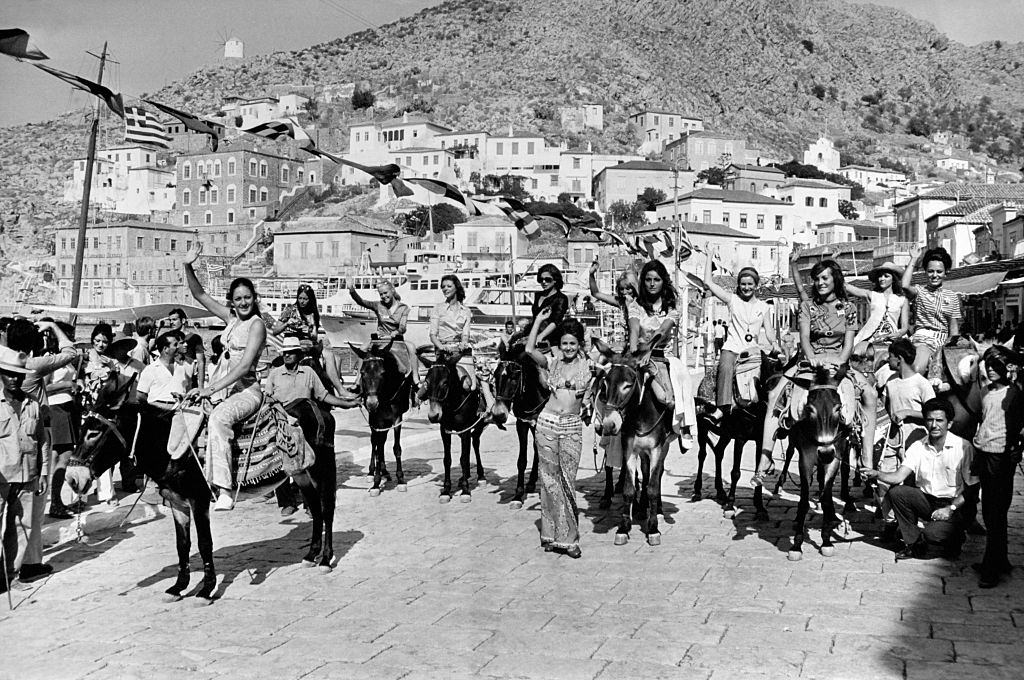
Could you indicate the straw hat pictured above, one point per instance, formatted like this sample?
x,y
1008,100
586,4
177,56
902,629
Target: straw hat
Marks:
x,y
290,344
886,268
119,349
12,361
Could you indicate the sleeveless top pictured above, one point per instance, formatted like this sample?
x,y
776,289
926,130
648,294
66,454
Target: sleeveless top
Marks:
x,y
933,309
235,338
574,375
650,323
389,318
883,317
746,318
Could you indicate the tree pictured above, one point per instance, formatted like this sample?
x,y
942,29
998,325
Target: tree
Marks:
x,y
363,99
651,197
847,210
446,216
513,186
712,176
624,215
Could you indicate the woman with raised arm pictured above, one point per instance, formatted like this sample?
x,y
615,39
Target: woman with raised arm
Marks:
x,y
626,291
550,296
243,340
937,310
560,432
392,314
302,320
748,316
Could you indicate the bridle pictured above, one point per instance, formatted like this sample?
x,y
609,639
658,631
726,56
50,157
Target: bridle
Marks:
x,y
109,427
514,371
398,388
632,390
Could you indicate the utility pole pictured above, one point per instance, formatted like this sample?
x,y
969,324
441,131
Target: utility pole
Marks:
x,y
83,220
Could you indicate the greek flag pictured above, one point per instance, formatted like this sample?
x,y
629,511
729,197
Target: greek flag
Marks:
x,y
142,127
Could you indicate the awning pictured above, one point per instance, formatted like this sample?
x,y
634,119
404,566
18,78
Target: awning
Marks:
x,y
976,285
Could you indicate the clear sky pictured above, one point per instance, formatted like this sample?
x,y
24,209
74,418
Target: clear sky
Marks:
x,y
158,42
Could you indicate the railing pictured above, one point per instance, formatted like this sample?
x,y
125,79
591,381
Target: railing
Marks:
x,y
893,248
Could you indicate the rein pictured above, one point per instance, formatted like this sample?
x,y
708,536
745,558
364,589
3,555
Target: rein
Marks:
x,y
529,416
469,393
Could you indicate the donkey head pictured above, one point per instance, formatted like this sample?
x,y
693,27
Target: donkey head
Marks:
x,y
621,383
821,425
373,372
442,377
101,443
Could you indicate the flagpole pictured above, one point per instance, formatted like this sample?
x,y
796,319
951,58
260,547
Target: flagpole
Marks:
x,y
83,219
512,272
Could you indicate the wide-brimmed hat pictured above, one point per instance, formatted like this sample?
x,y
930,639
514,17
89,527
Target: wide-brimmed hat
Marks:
x,y
886,268
12,361
290,344
119,349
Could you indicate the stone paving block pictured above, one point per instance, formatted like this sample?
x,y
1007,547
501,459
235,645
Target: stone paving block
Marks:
x,y
873,625
172,656
573,622
901,647
325,648
999,633
512,640
334,670
425,661
282,667
54,667
492,620
634,668
543,668
822,666
780,660
927,670
987,653
661,652
446,637
680,631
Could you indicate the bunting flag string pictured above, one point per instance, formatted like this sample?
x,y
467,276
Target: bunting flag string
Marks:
x,y
17,43
385,174
112,99
193,123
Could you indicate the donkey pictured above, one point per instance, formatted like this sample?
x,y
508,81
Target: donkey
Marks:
x,y
646,427
519,387
742,424
821,437
385,390
456,407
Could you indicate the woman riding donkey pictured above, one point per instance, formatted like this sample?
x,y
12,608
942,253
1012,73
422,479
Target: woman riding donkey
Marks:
x,y
828,325
244,339
560,431
392,320
302,320
937,310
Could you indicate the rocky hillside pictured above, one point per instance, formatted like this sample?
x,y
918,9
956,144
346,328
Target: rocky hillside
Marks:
x,y
777,71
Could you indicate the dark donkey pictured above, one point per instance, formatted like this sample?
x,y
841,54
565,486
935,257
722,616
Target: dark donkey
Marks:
x,y
385,390
519,387
821,438
456,407
646,426
741,424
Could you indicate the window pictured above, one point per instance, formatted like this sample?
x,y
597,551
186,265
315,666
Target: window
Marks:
x,y
74,242
426,159
822,202
118,268
778,223
529,148
753,253
156,244
216,168
577,186
671,121
231,217
707,217
147,157
174,244
134,276
334,248
208,217
437,160
160,275
230,198
263,168
185,220
109,270
743,220
63,270
95,270
575,163
319,249
263,195
95,242
202,197
471,239
303,250
231,166
298,175
287,250
753,187
214,195
725,219
515,148
63,244
809,202
533,183
656,120
760,221
408,161
252,194
252,168
499,148
186,171
285,174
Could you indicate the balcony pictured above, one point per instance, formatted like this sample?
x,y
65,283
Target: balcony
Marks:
x,y
893,251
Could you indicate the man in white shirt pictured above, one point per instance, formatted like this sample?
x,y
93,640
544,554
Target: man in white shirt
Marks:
x,y
163,382
941,465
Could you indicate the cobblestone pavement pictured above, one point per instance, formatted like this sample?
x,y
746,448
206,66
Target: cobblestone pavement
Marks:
x,y
463,590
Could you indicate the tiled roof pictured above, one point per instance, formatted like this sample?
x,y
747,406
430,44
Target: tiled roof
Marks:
x,y
758,168
701,228
461,132
640,165
963,191
812,184
870,168
729,196
338,225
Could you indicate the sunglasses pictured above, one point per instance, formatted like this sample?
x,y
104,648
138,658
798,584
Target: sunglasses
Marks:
x,y
547,279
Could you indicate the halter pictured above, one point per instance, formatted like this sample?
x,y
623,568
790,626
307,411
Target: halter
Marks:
x,y
110,427
632,390
530,416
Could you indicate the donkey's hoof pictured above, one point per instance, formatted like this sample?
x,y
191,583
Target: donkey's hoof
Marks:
x,y
828,550
515,505
170,597
465,498
375,492
443,498
308,563
325,569
696,497
621,539
403,487
654,539
849,508
794,556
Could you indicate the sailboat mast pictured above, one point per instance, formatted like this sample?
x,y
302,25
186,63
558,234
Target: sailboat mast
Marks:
x,y
83,220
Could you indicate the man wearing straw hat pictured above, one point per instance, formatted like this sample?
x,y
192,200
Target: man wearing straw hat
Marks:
x,y
21,457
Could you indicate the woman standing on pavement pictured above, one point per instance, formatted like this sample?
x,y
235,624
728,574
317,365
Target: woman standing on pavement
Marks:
x,y
560,432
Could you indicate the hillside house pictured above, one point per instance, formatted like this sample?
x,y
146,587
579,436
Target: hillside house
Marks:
x,y
814,200
126,180
847,231
912,213
626,181
822,154
757,179
872,178
658,128
701,150
327,246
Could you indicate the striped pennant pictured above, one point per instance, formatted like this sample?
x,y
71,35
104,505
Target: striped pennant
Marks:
x,y
142,127
112,99
281,129
516,211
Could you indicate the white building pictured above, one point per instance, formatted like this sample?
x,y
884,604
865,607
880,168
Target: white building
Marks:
x,y
488,242
822,154
244,113
874,179
127,180
953,164
814,200
658,128
578,118
374,143
626,181
234,49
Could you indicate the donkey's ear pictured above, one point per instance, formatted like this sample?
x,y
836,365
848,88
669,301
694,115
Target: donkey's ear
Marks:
x,y
799,382
359,351
603,348
841,373
502,349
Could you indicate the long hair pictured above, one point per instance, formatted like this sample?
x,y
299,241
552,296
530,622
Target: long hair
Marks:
x,y
555,273
839,282
237,283
668,291
311,296
460,292
627,278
